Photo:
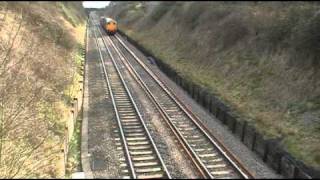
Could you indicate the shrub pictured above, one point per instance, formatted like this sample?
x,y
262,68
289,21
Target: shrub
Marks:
x,y
307,40
192,14
231,31
160,11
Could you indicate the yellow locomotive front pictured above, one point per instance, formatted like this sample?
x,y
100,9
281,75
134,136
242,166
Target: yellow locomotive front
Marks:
x,y
110,26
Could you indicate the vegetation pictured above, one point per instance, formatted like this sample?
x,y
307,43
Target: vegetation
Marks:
x,y
262,58
74,158
38,76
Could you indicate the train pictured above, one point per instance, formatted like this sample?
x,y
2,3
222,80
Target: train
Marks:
x,y
109,25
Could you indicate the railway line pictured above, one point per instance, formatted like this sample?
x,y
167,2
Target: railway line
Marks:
x,y
143,160
142,157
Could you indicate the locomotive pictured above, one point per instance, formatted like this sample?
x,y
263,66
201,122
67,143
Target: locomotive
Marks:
x,y
109,25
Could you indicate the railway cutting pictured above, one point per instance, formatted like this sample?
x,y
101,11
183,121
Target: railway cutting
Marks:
x,y
135,150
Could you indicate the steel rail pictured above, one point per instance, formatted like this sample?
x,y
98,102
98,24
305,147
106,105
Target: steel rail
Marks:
x,y
115,109
166,172
230,157
201,167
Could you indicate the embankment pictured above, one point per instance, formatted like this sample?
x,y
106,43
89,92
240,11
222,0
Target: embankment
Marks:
x,y
259,58
41,45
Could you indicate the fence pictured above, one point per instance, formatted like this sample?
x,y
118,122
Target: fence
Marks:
x,y
76,108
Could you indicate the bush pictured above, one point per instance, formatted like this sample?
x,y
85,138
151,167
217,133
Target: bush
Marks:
x,y
231,31
160,11
307,40
192,14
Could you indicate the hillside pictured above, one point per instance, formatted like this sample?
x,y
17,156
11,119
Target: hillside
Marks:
x,y
40,45
262,58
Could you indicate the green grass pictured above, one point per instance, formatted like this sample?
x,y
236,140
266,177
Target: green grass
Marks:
x,y
246,91
74,154
260,58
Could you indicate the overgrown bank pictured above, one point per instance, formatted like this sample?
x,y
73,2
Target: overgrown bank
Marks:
x,y
261,58
39,77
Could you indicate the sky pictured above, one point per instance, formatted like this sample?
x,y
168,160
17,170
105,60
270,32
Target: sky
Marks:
x,y
95,4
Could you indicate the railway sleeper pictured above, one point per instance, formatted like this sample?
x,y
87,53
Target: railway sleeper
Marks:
x,y
126,110
123,101
208,155
123,165
115,83
221,173
128,113
216,166
193,136
135,134
122,96
186,129
146,164
148,170
203,149
195,140
124,171
207,161
130,123
122,105
138,153
183,125
144,158
139,147
138,143
119,92
126,177
129,117
136,138
169,107
133,130
129,120
133,127
118,89
186,133
176,116
150,176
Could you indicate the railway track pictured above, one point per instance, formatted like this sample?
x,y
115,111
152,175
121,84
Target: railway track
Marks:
x,y
209,155
142,159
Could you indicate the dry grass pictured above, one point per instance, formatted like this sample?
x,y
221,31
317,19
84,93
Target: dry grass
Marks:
x,y
46,50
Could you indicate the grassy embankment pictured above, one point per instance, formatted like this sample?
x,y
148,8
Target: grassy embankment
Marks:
x,y
261,58
41,54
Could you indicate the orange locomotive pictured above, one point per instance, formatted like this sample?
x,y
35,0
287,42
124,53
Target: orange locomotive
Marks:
x,y
109,25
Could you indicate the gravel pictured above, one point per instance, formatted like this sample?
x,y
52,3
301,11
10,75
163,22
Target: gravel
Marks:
x,y
101,120
176,162
253,163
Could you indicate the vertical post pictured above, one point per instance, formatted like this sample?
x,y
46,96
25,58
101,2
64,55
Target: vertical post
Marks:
x,y
1,129
65,149
75,107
